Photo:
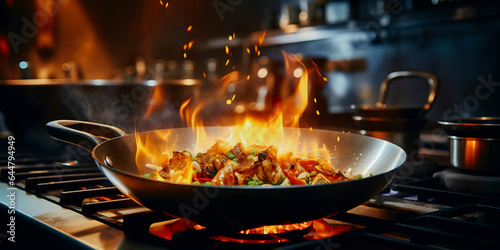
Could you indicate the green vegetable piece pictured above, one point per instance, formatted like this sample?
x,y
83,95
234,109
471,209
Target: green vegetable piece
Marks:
x,y
371,174
196,182
255,183
198,154
358,176
195,159
313,173
253,153
235,159
283,177
147,175
230,155
212,159
208,183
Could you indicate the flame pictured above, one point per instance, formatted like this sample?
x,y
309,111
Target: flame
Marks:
x,y
155,102
261,37
277,229
295,104
147,152
259,126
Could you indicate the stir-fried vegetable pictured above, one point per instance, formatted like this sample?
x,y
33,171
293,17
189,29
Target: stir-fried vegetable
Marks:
x,y
256,165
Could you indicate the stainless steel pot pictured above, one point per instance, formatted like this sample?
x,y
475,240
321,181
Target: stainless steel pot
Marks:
x,y
474,143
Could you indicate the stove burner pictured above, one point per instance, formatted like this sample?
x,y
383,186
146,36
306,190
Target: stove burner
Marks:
x,y
305,231
268,234
469,182
279,229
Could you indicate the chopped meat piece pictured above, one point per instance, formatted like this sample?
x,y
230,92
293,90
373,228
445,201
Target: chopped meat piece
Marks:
x,y
220,147
207,167
239,152
179,161
226,176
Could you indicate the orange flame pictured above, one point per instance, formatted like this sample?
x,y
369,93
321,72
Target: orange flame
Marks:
x,y
261,37
264,127
278,229
156,101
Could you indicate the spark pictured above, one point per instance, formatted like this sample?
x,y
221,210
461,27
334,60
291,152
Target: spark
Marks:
x,y
189,28
228,102
185,46
317,112
261,38
256,49
325,79
161,2
185,55
190,44
248,50
227,50
248,77
232,99
230,38
166,5
227,62
204,75
315,101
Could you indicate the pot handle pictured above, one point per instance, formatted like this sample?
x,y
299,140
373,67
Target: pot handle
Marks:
x,y
430,78
85,134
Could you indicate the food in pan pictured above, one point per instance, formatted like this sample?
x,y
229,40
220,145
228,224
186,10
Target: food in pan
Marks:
x,y
223,164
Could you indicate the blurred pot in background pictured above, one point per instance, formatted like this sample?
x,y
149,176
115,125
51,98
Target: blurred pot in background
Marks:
x,y
399,125
474,142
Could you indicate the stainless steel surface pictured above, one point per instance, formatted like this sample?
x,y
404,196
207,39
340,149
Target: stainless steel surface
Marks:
x,y
228,206
475,153
474,143
90,232
100,82
476,127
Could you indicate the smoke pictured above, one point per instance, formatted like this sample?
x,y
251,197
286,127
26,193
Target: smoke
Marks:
x,y
123,106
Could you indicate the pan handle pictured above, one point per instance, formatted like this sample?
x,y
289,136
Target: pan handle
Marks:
x,y
85,134
430,78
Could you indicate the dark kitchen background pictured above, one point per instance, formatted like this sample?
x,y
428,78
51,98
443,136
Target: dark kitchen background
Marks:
x,y
356,44
133,64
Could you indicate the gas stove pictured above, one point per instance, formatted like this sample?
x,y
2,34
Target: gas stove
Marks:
x,y
62,203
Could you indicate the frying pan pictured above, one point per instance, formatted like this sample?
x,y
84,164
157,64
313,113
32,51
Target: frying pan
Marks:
x,y
238,207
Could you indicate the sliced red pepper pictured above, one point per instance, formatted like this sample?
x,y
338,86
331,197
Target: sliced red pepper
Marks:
x,y
294,180
308,164
203,180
